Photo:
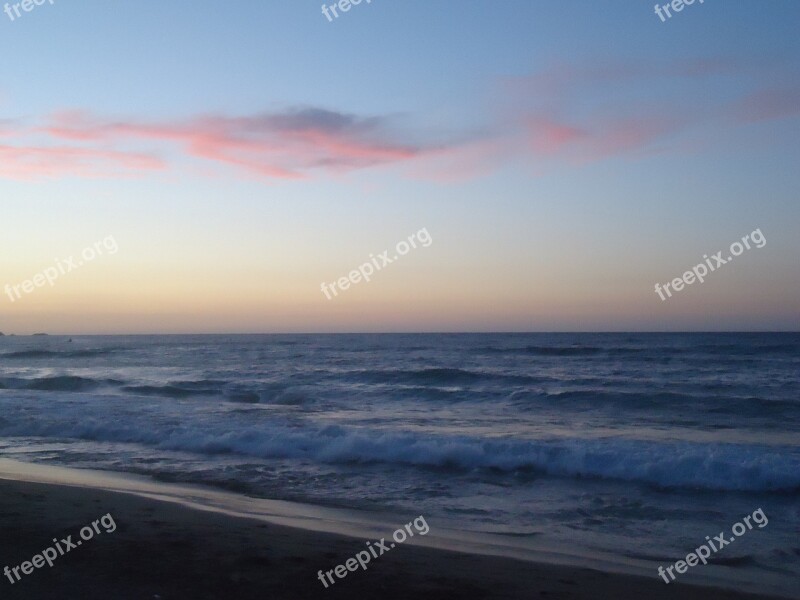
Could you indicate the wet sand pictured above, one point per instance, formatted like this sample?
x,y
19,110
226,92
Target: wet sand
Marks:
x,y
162,550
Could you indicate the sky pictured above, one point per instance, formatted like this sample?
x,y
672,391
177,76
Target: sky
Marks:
x,y
222,161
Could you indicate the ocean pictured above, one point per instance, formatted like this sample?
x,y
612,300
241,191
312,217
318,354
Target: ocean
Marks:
x,y
628,447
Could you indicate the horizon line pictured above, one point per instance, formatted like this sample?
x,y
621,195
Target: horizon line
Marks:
x,y
618,332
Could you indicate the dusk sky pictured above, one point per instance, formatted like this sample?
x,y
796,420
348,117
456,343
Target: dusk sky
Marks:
x,y
563,156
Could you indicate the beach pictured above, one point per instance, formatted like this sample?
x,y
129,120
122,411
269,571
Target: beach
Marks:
x,y
167,551
601,453
234,363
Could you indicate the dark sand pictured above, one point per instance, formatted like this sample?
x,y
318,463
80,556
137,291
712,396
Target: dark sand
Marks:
x,y
163,550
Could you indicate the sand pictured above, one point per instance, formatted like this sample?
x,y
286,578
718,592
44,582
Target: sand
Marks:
x,y
168,551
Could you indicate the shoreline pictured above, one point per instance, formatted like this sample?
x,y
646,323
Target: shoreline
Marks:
x,y
170,549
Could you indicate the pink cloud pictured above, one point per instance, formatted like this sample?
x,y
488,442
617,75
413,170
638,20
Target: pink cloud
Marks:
x,y
555,141
33,162
773,103
549,138
566,115
292,144
286,145
574,114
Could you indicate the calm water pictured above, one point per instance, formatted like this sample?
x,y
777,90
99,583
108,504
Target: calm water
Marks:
x,y
634,445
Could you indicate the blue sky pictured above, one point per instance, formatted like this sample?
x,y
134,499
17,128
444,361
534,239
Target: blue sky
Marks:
x,y
564,156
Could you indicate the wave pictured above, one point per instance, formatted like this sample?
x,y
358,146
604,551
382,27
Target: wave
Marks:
x,y
269,393
244,396
254,393
650,352
533,399
438,376
56,353
545,350
55,383
266,393
178,389
74,383
691,465
748,349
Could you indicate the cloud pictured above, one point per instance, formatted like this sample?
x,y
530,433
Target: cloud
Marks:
x,y
284,145
34,162
767,104
566,115
599,139
548,137
292,144
573,114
